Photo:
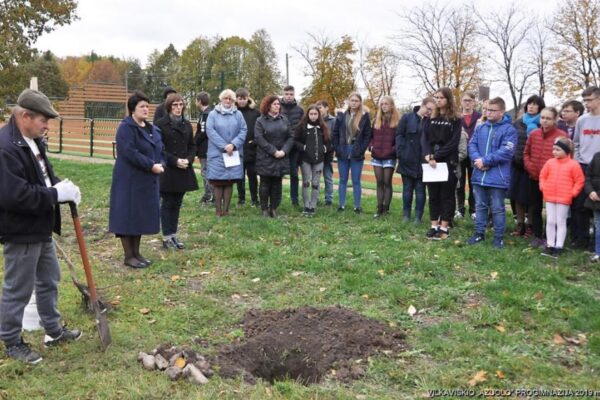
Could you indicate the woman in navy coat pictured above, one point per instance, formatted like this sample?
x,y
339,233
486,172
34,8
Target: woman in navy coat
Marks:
x,y
134,193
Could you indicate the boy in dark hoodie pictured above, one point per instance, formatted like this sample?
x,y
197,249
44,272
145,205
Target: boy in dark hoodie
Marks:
x,y
247,107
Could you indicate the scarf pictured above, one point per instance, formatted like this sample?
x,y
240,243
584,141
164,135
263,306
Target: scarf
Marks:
x,y
222,110
531,121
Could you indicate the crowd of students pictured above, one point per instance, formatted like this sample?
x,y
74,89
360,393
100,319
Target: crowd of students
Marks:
x,y
542,156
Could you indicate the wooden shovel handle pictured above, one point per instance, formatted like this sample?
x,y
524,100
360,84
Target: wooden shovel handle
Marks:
x,y
83,251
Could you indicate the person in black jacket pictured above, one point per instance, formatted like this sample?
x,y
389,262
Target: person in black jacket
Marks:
x,y
408,151
274,141
592,199
439,143
351,137
293,112
30,194
247,107
179,176
201,140
329,119
160,111
312,142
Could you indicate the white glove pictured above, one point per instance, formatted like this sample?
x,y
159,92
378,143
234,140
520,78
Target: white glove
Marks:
x,y
67,191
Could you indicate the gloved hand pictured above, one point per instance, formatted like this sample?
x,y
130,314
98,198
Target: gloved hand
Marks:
x,y
67,191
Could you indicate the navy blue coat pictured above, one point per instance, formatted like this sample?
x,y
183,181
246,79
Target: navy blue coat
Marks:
x,y
29,209
408,145
134,193
361,141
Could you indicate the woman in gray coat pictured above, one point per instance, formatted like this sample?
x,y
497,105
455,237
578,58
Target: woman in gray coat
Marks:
x,y
226,131
274,140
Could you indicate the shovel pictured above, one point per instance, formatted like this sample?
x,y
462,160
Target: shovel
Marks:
x,y
101,321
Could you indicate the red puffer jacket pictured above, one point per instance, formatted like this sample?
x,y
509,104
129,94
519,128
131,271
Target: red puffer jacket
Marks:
x,y
561,180
538,150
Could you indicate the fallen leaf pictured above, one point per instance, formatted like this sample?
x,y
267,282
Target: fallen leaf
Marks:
x,y
115,302
538,296
325,227
152,321
322,289
205,273
236,297
457,242
578,341
392,324
256,280
479,377
175,278
144,310
582,338
365,296
500,328
180,362
381,272
412,310
494,275
277,242
558,339
500,374
297,273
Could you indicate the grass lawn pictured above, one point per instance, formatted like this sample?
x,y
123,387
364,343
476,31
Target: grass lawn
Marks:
x,y
524,320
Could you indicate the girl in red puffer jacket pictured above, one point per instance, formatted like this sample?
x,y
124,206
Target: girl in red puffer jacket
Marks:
x,y
561,179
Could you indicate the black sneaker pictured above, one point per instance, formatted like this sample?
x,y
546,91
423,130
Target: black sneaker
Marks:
x,y
476,238
177,243
66,335
22,352
306,211
431,233
341,208
358,210
169,244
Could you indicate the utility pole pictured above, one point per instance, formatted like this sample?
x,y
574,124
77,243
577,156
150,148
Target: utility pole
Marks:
x,y
287,69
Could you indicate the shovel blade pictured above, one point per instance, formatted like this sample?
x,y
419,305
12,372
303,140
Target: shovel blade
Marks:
x,y
102,326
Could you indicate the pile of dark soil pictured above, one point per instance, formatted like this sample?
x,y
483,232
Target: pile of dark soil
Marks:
x,y
305,344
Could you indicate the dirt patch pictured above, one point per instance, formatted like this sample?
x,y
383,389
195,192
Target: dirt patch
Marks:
x,y
305,344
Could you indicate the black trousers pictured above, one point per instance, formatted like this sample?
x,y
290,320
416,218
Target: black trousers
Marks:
x,y
270,192
534,212
580,218
442,198
250,171
466,169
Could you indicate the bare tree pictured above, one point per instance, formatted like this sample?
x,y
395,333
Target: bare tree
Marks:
x,y
378,69
577,29
506,31
539,43
440,45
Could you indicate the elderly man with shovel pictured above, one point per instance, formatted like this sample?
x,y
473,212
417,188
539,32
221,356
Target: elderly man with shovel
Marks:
x,y
29,213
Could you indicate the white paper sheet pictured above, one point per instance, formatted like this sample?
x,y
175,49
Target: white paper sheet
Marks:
x,y
437,174
231,160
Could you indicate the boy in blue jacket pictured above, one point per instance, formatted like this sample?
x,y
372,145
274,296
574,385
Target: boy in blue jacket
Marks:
x,y
491,150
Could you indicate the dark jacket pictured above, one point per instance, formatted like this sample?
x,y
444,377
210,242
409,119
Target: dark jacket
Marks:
x,y
178,139
159,113
592,182
292,111
201,137
361,140
441,138
309,141
383,142
134,192
250,114
272,134
494,143
470,128
408,144
521,140
29,211
330,121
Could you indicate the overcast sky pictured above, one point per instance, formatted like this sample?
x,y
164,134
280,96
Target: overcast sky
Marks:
x,y
136,27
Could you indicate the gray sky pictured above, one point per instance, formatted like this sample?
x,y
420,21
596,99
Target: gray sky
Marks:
x,y
135,28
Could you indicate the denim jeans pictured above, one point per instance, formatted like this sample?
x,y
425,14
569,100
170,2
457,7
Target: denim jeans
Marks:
x,y
169,212
490,198
328,178
410,185
353,167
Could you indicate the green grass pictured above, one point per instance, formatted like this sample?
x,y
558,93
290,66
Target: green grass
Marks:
x,y
465,296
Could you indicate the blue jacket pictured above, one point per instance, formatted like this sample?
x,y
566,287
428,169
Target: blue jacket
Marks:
x,y
495,144
224,127
134,192
361,141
